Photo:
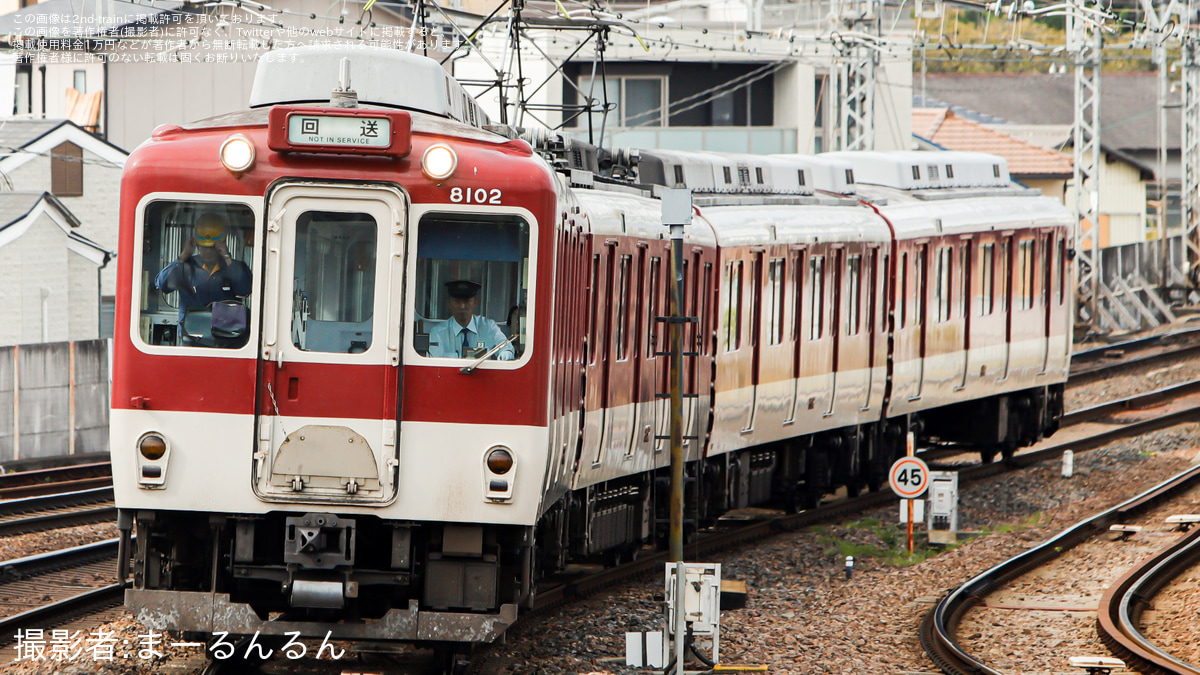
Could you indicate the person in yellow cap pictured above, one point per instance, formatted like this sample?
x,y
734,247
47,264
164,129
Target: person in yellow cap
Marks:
x,y
464,335
212,275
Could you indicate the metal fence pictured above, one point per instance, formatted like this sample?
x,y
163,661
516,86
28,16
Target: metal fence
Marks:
x,y
53,399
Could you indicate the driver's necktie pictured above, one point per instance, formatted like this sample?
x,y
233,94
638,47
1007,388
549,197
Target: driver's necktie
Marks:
x,y
466,342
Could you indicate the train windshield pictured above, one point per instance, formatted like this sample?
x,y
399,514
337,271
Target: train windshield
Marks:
x,y
333,293
196,274
470,286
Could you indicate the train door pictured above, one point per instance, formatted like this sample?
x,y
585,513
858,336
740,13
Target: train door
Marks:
x,y
756,284
619,413
599,343
1047,254
333,288
836,297
920,301
639,392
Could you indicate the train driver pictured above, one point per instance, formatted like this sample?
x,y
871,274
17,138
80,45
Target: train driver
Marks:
x,y
463,334
212,276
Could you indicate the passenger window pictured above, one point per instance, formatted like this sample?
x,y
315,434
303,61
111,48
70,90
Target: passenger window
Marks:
x,y
987,267
196,274
775,309
333,293
854,294
941,284
816,285
471,285
732,316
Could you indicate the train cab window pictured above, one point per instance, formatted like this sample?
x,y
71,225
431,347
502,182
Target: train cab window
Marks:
x,y
987,278
470,287
196,274
816,288
333,294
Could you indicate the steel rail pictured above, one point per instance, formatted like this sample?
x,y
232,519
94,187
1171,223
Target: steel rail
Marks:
x,y
54,487
1090,365
62,611
937,632
47,514
554,594
1122,605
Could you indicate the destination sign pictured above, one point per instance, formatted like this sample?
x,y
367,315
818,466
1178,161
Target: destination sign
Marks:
x,y
368,132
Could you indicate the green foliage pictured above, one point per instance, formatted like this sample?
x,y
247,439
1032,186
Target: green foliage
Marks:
x,y
971,41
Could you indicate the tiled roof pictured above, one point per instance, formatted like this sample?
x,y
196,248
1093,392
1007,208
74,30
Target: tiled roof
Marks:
x,y
943,127
19,133
1128,113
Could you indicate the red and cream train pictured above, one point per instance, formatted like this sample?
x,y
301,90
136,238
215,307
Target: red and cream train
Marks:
x,y
318,469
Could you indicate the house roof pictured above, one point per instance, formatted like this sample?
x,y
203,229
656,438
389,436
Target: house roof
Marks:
x,y
1025,160
24,140
1128,116
82,18
19,210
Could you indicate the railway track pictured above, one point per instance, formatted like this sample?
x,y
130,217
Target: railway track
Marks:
x,y
1094,364
48,512
939,630
51,589
1122,607
55,480
1090,429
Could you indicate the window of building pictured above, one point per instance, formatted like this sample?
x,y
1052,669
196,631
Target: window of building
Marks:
x,y
80,81
184,273
488,251
66,170
634,101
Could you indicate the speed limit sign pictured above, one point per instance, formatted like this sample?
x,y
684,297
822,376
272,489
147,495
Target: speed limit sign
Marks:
x,y
909,477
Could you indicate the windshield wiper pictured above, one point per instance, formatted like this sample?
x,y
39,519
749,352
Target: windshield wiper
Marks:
x,y
467,370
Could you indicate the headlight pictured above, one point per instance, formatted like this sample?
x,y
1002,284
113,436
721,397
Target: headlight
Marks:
x,y
237,153
439,161
499,460
152,447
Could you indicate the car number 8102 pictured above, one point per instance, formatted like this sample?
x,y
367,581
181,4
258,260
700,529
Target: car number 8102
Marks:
x,y
474,196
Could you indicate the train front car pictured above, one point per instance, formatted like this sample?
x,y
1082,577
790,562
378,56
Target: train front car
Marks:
x,y
330,372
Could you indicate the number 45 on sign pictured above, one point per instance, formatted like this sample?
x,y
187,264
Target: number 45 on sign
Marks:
x,y
909,477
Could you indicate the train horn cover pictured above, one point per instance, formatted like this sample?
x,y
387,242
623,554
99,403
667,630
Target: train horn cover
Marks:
x,y
439,161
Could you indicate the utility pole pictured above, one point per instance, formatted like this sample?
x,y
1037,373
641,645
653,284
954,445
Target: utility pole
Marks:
x,y
1190,152
1084,41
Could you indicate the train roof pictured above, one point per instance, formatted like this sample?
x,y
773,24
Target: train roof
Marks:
x,y
620,214
766,224
309,74
917,170
966,212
